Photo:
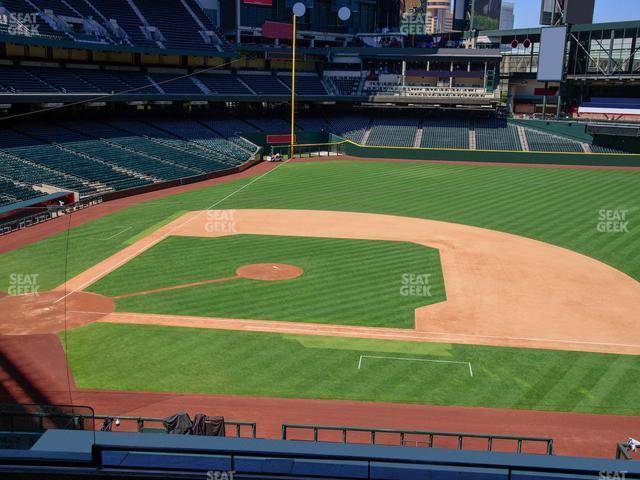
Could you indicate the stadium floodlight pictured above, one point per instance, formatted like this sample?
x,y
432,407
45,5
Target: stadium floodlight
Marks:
x,y
299,9
344,14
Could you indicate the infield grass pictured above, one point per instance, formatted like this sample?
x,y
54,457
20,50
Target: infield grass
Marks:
x,y
348,282
132,357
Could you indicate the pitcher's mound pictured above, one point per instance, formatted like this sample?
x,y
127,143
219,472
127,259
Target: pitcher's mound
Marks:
x,y
46,312
269,271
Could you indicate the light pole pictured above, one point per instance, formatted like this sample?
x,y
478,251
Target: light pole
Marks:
x,y
299,9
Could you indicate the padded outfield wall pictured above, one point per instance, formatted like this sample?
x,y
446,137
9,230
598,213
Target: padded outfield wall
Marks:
x,y
497,156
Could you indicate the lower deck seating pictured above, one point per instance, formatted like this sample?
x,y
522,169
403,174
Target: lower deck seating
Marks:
x,y
398,132
92,157
604,149
116,147
27,173
205,139
270,124
544,142
445,133
11,192
351,127
231,129
313,124
496,134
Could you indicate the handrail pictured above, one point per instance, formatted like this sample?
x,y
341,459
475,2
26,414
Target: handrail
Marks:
x,y
71,415
622,453
140,422
431,435
77,418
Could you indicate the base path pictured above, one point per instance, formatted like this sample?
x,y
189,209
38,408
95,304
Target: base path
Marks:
x,y
502,289
43,313
33,370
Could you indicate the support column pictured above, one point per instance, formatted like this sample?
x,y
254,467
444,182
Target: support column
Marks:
x,y
484,82
544,101
451,76
559,106
238,22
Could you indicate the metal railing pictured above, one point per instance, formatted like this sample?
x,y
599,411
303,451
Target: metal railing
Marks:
x,y
622,453
430,436
38,418
141,423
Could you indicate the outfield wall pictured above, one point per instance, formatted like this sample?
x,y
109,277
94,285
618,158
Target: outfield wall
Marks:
x,y
260,139
496,156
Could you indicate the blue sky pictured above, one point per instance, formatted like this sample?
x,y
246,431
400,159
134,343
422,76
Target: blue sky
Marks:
x,y
527,12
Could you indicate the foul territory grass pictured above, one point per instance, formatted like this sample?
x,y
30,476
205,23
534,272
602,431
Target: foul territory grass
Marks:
x,y
349,282
167,359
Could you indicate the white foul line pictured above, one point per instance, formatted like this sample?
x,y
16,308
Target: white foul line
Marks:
x,y
116,234
147,247
416,360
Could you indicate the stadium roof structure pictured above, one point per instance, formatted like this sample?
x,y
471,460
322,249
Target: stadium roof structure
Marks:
x,y
587,27
384,53
108,47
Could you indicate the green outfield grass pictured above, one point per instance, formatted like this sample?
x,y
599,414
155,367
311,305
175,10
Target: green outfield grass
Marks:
x,y
559,206
349,282
131,357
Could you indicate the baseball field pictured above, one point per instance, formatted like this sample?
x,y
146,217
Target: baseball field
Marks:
x,y
406,282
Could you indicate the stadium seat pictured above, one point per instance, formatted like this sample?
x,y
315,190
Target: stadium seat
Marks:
x,y
445,133
223,84
178,27
265,84
176,84
347,85
351,127
11,192
127,19
544,142
395,132
496,134
305,84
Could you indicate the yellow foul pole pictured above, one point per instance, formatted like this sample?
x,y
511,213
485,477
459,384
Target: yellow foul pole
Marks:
x,y
293,89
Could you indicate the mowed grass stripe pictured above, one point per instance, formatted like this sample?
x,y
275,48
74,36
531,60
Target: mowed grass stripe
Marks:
x,y
348,282
248,363
559,206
